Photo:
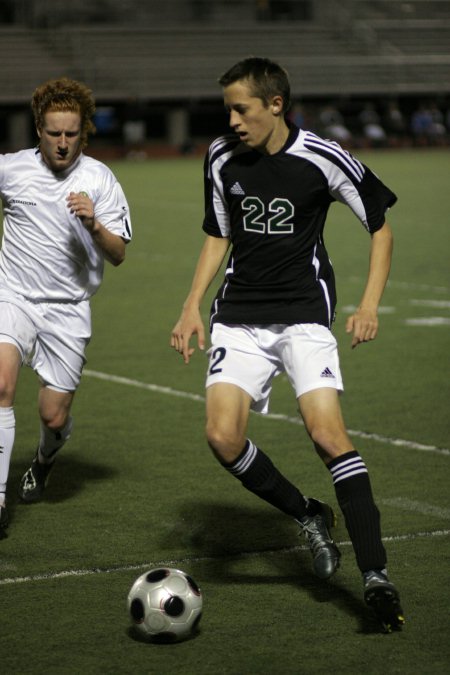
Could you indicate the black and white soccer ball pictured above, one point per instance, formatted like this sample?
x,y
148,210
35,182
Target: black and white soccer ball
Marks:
x,y
165,605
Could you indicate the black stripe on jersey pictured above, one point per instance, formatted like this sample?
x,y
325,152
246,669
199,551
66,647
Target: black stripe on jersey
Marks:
x,y
352,168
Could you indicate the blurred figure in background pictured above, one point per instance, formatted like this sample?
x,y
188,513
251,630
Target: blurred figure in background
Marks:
x,y
427,125
333,125
394,123
371,127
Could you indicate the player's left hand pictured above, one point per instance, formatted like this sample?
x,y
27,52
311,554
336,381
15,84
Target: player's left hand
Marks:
x,y
364,326
82,206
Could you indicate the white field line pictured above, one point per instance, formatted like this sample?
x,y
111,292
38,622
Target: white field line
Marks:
x,y
437,304
417,507
398,442
406,285
49,576
428,321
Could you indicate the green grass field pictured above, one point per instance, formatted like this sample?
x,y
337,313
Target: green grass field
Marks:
x,y
136,485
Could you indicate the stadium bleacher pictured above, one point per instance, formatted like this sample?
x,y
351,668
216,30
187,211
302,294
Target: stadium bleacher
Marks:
x,y
175,51
353,47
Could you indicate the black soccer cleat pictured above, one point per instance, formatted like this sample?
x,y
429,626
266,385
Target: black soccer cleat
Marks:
x,y
316,530
4,521
34,481
383,598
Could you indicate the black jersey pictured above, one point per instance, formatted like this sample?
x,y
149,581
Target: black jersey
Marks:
x,y
273,209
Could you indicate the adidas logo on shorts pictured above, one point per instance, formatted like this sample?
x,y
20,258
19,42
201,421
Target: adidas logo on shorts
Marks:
x,y
326,373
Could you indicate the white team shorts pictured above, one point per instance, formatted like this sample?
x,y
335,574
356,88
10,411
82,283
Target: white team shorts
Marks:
x,y
50,336
251,356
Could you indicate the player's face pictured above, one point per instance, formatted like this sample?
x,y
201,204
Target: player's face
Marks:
x,y
60,139
259,126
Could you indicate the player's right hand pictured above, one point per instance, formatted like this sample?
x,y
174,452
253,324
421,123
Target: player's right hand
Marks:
x,y
189,324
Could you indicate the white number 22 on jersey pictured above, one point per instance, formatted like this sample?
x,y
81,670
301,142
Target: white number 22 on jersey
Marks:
x,y
277,221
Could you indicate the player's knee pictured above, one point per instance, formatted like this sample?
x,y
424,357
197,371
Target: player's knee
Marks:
x,y
7,392
55,420
225,444
329,441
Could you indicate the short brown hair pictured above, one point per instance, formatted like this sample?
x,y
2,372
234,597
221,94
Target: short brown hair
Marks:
x,y
266,79
63,95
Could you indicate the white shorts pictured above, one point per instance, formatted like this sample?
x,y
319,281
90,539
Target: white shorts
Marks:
x,y
251,356
51,336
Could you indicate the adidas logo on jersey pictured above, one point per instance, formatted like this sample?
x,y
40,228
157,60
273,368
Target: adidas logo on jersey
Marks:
x,y
326,373
237,190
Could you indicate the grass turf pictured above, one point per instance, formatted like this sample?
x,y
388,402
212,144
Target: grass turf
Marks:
x,y
136,486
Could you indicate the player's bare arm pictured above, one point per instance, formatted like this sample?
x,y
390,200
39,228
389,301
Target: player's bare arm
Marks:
x,y
364,322
190,322
112,245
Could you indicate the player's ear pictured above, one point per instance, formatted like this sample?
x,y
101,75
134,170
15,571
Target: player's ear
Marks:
x,y
277,105
39,131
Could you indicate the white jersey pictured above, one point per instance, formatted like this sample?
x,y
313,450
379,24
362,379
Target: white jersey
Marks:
x,y
47,254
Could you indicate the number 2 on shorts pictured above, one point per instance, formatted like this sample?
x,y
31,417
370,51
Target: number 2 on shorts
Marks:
x,y
217,356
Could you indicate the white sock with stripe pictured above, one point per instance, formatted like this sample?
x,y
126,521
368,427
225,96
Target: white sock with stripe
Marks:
x,y
7,434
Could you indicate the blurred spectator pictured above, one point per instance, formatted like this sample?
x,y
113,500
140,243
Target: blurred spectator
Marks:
x,y
302,116
438,130
394,123
296,115
333,125
134,128
421,124
427,125
105,120
371,127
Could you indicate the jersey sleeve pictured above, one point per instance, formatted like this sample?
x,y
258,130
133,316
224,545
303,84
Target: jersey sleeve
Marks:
x,y
368,198
2,172
217,218
111,207
351,182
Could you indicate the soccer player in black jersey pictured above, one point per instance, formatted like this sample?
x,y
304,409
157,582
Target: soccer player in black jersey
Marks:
x,y
268,188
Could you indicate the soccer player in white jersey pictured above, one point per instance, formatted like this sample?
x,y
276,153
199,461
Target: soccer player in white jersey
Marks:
x,y
268,189
64,214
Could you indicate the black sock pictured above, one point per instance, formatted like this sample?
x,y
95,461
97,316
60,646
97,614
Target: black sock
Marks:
x,y
257,474
362,518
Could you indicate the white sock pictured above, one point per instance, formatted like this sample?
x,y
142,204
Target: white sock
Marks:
x,y
52,441
7,433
